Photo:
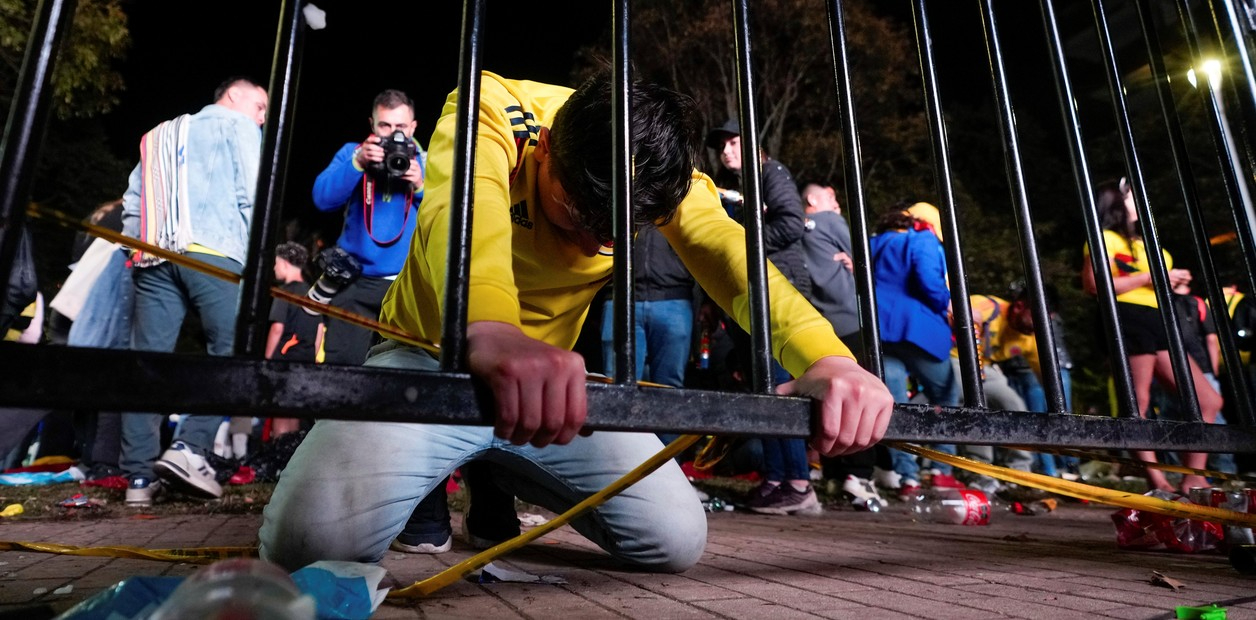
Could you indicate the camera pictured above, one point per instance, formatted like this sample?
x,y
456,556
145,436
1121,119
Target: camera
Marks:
x,y
340,269
399,150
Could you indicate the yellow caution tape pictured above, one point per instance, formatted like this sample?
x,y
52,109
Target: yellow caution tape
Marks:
x,y
462,569
1124,499
196,555
183,260
1180,469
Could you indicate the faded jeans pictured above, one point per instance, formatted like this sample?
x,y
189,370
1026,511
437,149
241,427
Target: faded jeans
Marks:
x,y
940,386
351,486
163,295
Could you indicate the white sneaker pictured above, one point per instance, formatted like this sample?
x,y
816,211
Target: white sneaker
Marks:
x,y
886,478
187,471
861,490
425,548
141,491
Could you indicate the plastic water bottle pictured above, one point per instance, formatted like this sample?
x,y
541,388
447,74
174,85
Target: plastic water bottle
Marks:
x,y
237,589
956,506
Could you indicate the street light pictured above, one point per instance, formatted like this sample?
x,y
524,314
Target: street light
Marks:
x,y
1211,67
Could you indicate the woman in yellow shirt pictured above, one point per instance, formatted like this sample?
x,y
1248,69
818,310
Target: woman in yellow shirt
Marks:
x,y
1138,316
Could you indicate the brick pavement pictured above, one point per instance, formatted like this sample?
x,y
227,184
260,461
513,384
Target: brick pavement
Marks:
x,y
843,564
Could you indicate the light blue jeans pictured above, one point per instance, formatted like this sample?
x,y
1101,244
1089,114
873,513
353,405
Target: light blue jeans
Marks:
x,y
664,337
350,487
939,383
163,295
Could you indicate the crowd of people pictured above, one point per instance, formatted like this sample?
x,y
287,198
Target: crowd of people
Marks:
x,y
542,251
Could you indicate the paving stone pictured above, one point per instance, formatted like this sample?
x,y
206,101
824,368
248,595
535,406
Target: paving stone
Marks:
x,y
840,565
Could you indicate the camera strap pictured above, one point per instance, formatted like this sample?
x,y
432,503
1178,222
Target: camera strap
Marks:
x,y
368,210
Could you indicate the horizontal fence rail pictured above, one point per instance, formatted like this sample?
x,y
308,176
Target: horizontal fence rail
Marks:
x,y
36,377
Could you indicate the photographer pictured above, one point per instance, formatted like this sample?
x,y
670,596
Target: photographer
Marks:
x,y
379,184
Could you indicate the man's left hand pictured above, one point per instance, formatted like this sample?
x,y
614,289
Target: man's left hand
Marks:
x,y
854,405
414,175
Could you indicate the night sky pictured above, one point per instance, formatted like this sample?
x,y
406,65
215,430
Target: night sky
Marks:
x,y
175,63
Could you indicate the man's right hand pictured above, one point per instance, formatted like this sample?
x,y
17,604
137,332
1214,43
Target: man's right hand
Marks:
x,y
369,152
539,388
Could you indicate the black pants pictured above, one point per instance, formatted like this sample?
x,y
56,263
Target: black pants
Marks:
x,y
345,343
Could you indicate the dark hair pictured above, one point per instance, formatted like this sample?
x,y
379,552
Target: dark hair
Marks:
x,y
392,99
664,136
895,218
232,81
294,253
1110,201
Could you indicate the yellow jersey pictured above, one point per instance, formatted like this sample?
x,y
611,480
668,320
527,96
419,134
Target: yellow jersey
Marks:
x,y
523,272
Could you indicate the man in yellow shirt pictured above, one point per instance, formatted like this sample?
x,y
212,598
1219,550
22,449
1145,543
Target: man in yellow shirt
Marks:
x,y
540,252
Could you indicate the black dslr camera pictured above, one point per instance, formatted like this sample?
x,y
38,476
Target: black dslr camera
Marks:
x,y
398,152
340,269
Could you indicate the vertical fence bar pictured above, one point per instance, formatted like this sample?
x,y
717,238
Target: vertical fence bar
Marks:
x,y
1190,198
1233,164
856,197
1090,214
751,183
28,122
252,322
1142,202
1227,19
453,341
1051,381
1234,180
965,336
621,199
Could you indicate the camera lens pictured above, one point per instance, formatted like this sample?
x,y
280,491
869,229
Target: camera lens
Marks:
x,y
397,163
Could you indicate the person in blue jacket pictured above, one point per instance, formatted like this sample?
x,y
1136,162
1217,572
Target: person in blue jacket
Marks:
x,y
913,309
380,196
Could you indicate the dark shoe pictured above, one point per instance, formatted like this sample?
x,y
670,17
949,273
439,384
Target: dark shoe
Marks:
x,y
427,529
490,518
430,547
786,500
100,471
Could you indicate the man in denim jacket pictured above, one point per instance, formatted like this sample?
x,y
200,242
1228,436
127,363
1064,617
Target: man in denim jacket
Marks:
x,y
192,193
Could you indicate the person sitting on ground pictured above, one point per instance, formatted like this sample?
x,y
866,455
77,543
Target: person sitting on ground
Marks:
x,y
539,253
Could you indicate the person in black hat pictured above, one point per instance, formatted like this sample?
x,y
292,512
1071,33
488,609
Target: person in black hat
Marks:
x,y
786,488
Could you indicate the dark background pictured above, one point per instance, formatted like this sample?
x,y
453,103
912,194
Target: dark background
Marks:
x,y
175,63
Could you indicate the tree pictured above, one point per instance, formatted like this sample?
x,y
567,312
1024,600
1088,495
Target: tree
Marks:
x,y
76,170
689,46
85,83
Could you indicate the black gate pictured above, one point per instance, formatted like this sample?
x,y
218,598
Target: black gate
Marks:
x,y
38,376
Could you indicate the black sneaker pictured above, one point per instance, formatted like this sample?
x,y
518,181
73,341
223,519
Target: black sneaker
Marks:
x,y
434,545
427,529
786,500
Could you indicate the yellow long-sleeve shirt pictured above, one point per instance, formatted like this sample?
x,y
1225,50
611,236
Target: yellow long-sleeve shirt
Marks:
x,y
524,273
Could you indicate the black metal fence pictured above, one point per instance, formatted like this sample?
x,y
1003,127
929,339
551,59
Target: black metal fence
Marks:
x,y
64,377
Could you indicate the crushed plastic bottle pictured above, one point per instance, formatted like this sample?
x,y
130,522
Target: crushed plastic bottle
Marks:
x,y
716,504
956,506
240,588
